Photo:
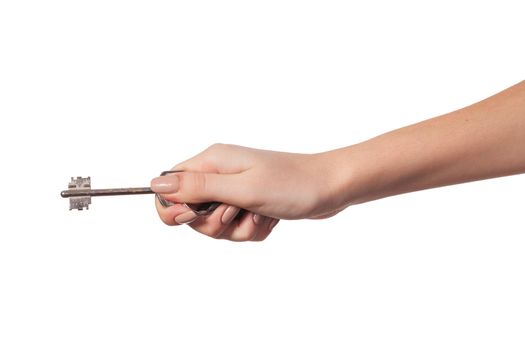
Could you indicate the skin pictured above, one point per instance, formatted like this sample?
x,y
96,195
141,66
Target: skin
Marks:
x,y
481,141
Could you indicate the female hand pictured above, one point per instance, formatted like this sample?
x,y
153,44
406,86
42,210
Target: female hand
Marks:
x,y
482,141
267,185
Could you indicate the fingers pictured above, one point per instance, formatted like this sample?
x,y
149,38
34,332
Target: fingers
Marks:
x,y
264,234
176,214
241,229
194,187
216,223
224,174
226,222
247,229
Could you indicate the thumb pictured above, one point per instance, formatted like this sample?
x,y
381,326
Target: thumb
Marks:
x,y
194,187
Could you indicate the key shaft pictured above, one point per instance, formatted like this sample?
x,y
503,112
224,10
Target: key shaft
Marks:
x,y
105,192
79,193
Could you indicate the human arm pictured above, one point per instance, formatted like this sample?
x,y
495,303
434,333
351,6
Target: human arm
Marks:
x,y
482,141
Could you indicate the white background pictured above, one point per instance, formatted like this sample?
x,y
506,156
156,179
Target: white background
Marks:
x,y
121,90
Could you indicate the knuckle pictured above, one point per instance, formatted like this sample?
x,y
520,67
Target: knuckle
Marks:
x,y
167,220
163,215
194,183
260,238
215,147
215,231
251,236
208,227
220,148
248,235
215,235
210,232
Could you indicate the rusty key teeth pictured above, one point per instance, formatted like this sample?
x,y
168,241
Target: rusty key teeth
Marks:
x,y
82,202
79,203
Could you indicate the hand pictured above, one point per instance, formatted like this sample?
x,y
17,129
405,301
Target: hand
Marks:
x,y
482,141
267,185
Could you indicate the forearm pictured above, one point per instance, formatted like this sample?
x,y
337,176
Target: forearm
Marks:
x,y
481,141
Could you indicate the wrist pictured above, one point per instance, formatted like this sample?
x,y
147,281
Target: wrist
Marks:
x,y
363,172
349,184
409,159
342,179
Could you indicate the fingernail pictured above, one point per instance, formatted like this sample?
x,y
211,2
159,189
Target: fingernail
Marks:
x,y
185,218
229,214
165,184
257,219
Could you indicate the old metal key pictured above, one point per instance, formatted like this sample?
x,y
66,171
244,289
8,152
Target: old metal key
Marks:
x,y
79,193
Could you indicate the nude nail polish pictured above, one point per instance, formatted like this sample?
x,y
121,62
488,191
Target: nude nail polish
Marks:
x,y
229,214
185,218
165,184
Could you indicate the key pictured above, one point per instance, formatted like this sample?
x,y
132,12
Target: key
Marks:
x,y
80,192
